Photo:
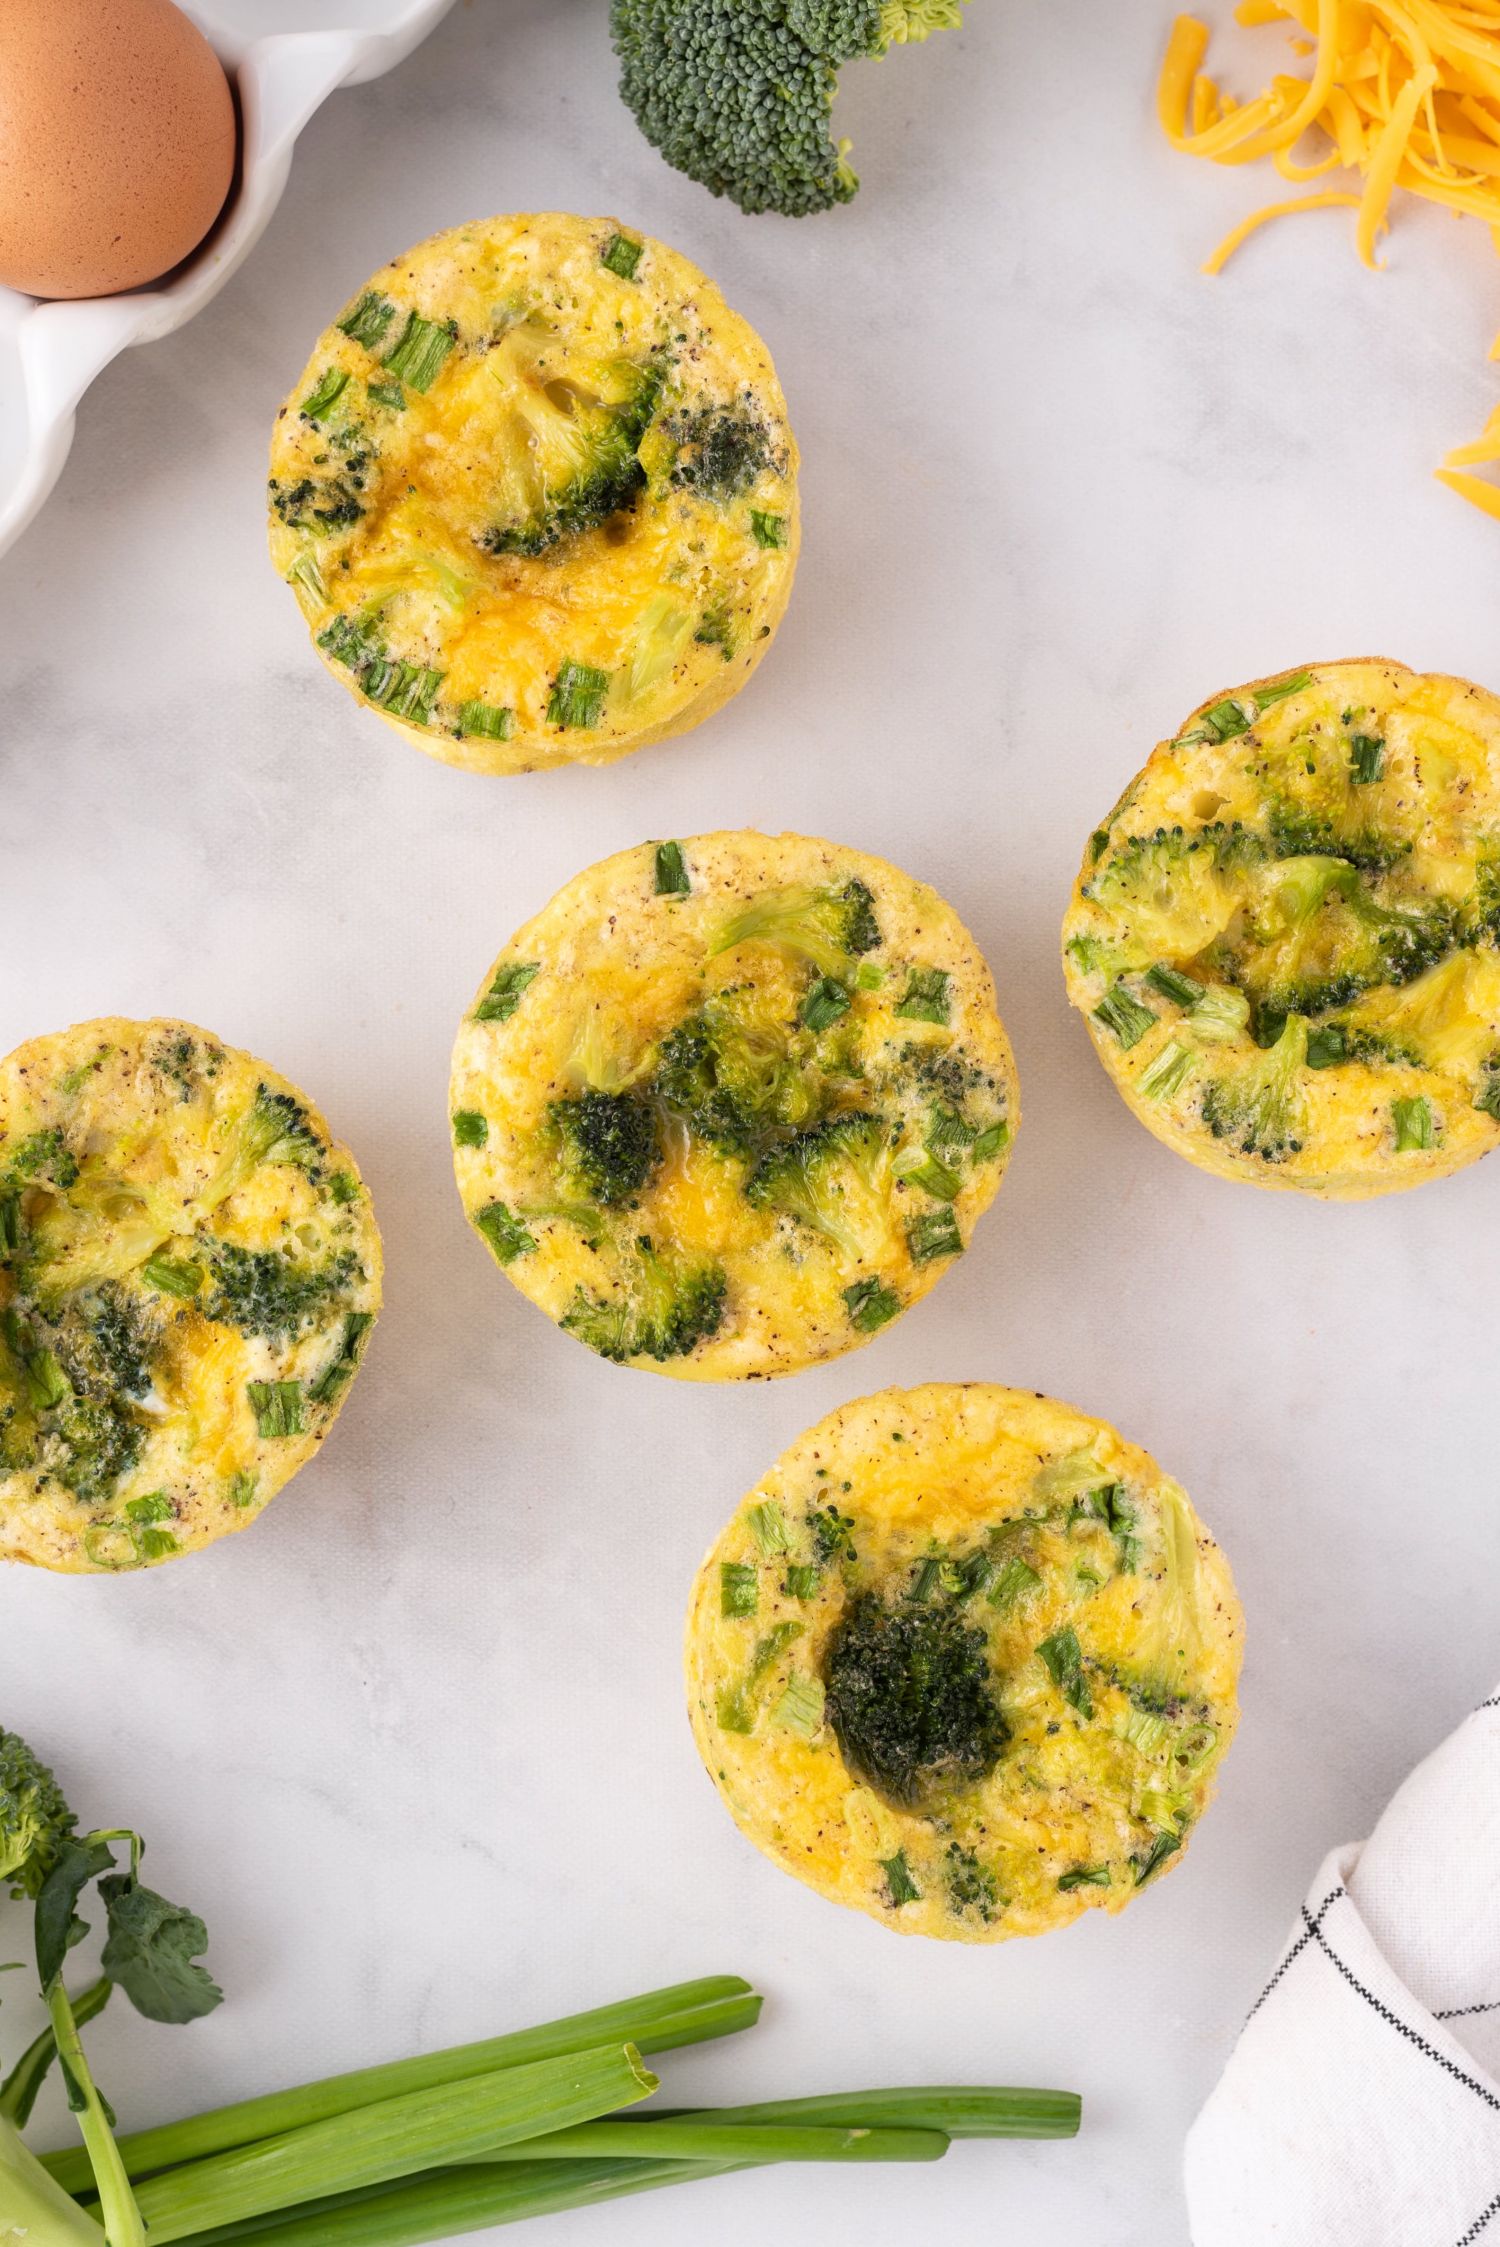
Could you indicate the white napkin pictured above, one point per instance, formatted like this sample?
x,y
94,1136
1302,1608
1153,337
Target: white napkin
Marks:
x,y
1361,2106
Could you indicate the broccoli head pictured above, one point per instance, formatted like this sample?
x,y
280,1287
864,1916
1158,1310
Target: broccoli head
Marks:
x,y
35,1821
740,1076
607,1146
739,93
1255,1103
830,927
1175,892
1320,937
667,1306
262,1291
911,1700
834,1179
574,459
721,450
79,1429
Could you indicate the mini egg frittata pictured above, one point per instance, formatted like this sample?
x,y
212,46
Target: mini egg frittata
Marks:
x,y
536,494
1286,936
189,1269
965,1660
728,1105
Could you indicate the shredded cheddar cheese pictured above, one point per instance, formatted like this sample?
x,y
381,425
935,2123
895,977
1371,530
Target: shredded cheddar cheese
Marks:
x,y
1405,93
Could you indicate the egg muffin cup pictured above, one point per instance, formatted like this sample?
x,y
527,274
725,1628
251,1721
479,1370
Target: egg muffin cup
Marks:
x,y
965,1660
729,1105
189,1269
1285,938
536,494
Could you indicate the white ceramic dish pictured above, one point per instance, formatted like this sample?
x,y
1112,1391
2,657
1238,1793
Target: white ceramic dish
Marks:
x,y
282,72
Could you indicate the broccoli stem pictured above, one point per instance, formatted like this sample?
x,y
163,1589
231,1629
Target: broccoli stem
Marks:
x,y
121,2218
18,2093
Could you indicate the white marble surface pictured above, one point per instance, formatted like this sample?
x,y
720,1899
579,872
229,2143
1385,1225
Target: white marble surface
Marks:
x,y
415,1745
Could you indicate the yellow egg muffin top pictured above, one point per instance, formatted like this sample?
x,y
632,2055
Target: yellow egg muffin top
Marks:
x,y
536,493
1286,936
189,1268
965,1660
728,1105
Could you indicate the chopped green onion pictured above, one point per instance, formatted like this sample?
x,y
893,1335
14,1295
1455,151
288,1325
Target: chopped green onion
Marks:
x,y
1220,1016
671,871
739,1588
504,994
388,394
321,400
1143,1729
992,1141
407,690
504,1233
242,1489
825,1002
577,695
340,1367
926,997
769,529
621,255
10,1221
369,319
1064,1659
800,1708
1414,1125
1281,689
419,351
1168,1073
1098,844
924,1582
919,1167
801,1581
1124,1015
768,1528
1085,1876
470,1128
277,1406
1016,1581
1326,1046
903,1889
947,1132
868,976
965,1577
933,1236
1180,989
172,1275
1366,758
871,1305
486,721
1165,1845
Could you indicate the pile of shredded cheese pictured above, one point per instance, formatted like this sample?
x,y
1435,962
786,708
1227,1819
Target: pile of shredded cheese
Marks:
x,y
1405,93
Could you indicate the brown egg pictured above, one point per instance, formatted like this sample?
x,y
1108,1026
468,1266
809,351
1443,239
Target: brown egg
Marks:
x,y
117,141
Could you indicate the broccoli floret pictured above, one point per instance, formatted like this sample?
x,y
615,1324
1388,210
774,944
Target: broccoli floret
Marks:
x,y
740,1076
1176,892
35,1821
607,1146
44,1156
262,1291
1256,1104
911,1700
667,1306
739,96
65,1392
830,927
574,460
1322,938
721,450
833,1179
